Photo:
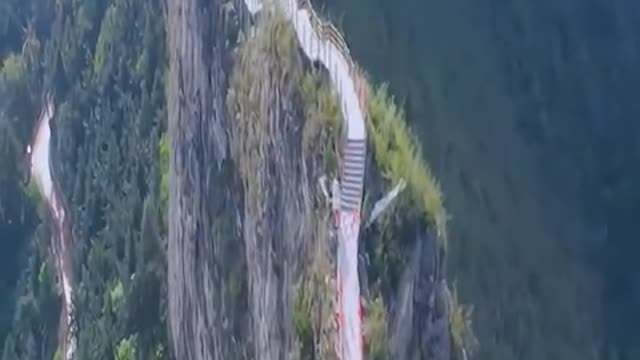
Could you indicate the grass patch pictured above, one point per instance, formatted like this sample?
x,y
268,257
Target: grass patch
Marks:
x,y
302,319
57,355
267,70
386,251
322,108
116,296
376,330
460,322
323,120
33,193
397,156
13,69
314,309
271,59
126,349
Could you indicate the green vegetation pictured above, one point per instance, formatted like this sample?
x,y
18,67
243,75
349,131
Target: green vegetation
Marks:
x,y
159,353
116,296
472,83
323,120
17,116
376,329
13,69
266,60
270,74
398,156
103,61
460,318
387,253
302,318
314,307
126,349
322,108
57,355
38,308
33,192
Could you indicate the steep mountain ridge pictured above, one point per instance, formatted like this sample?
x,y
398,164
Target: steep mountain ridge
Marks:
x,y
278,139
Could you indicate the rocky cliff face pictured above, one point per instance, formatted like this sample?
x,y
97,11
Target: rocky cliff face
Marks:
x,y
420,323
199,300
251,256
420,306
243,208
280,217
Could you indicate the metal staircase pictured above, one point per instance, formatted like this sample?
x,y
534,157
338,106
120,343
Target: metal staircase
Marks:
x,y
353,166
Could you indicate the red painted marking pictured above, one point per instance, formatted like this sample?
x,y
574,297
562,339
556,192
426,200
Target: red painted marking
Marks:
x,y
360,326
339,316
339,313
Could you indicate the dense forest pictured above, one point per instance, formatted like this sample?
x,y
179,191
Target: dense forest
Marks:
x,y
104,61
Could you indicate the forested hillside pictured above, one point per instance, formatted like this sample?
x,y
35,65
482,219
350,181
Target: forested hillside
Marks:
x,y
104,62
528,114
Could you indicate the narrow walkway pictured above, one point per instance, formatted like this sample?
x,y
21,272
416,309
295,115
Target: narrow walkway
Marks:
x,y
41,172
322,42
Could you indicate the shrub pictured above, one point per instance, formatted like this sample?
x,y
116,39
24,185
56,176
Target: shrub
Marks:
x,y
302,320
126,349
397,155
116,295
376,330
33,192
460,321
57,355
323,118
13,69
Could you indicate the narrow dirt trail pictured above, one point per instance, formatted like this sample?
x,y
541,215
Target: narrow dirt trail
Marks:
x,y
41,171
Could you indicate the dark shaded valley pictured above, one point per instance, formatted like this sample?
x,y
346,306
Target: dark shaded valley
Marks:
x,y
527,113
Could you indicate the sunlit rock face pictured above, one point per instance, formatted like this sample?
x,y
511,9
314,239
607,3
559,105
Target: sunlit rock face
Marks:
x,y
41,170
198,310
242,218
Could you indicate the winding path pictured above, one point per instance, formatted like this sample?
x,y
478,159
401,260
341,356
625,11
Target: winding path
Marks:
x,y
41,171
323,43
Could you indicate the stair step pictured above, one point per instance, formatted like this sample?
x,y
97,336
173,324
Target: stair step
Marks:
x,y
351,186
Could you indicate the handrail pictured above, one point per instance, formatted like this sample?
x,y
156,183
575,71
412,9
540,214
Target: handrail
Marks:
x,y
336,37
327,31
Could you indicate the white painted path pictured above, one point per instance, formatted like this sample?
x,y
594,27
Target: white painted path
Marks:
x,y
321,49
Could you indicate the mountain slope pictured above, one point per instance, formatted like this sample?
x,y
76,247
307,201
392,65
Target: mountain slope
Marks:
x,y
525,114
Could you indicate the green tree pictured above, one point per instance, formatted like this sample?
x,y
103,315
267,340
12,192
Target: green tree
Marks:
x,y
126,349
